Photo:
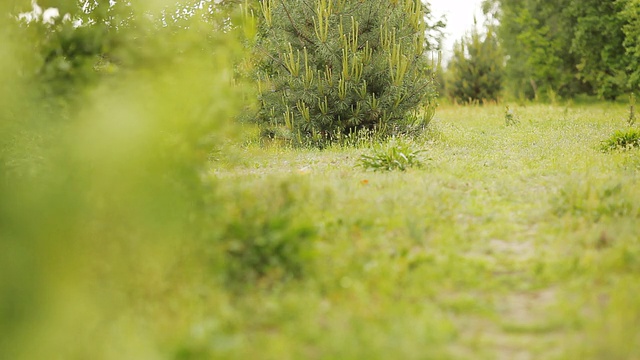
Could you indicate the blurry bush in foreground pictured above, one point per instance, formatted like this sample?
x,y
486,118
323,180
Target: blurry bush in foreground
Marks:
x,y
103,201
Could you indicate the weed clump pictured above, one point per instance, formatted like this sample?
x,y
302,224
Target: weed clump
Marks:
x,y
622,140
267,237
595,202
397,154
631,120
510,117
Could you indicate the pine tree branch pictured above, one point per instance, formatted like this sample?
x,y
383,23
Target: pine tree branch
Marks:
x,y
279,61
301,36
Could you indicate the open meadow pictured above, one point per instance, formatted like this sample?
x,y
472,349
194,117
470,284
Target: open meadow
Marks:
x,y
181,180
508,242
519,242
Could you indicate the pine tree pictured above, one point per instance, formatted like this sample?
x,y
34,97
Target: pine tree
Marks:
x,y
476,70
330,67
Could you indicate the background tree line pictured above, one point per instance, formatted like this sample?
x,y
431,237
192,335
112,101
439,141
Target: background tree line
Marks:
x,y
549,48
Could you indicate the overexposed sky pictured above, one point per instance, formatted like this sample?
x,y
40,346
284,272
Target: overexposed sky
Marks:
x,y
459,18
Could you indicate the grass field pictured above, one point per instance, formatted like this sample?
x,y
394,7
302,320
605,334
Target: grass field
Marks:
x,y
510,242
518,242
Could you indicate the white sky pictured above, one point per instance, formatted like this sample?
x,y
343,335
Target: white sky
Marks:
x,y
459,18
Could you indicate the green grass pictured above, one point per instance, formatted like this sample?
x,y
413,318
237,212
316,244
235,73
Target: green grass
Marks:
x,y
510,242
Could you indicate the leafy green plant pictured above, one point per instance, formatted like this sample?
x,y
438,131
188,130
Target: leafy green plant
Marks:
x,y
397,154
622,140
329,67
267,236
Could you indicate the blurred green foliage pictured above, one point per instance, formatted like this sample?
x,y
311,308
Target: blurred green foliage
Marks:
x,y
598,43
597,203
105,134
567,48
536,37
630,17
267,237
